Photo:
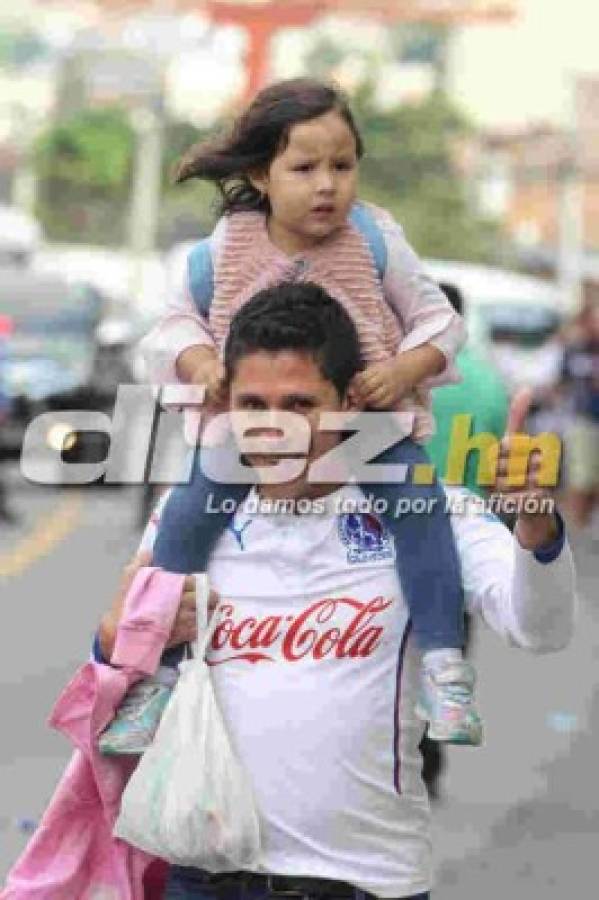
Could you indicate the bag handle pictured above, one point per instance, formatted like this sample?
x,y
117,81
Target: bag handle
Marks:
x,y
205,628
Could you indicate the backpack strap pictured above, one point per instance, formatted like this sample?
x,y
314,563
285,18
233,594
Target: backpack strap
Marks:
x,y
200,275
363,219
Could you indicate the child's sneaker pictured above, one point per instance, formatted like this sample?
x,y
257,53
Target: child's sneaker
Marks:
x,y
133,728
447,703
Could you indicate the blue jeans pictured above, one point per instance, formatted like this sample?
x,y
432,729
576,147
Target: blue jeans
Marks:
x,y
426,556
186,884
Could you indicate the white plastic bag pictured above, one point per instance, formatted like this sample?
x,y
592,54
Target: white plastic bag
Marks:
x,y
189,801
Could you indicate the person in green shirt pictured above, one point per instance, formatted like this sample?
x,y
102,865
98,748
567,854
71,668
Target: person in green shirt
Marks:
x,y
481,393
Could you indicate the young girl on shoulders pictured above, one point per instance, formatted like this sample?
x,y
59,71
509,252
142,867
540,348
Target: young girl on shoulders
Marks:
x,y
287,172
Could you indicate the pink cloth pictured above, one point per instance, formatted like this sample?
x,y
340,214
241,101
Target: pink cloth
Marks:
x,y
407,310
73,855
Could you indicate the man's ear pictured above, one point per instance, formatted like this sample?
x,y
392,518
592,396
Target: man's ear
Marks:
x,y
259,180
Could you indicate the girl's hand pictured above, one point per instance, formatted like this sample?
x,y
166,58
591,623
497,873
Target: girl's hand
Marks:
x,y
211,373
381,385
201,365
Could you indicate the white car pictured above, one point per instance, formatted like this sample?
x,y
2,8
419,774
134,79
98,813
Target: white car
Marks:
x,y
20,236
512,319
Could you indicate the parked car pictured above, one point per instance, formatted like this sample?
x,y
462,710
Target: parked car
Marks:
x,y
68,349
6,402
20,236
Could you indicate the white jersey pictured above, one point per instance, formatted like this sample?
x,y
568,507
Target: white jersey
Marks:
x,y
317,676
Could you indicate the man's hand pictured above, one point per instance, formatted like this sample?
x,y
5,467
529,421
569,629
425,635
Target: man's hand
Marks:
x,y
185,624
185,628
533,529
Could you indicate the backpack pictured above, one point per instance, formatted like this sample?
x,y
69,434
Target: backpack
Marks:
x,y
200,266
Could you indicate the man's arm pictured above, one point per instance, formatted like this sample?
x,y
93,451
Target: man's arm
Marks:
x,y
543,595
106,634
524,585
527,596
184,628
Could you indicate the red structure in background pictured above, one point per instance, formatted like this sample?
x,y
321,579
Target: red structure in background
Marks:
x,y
262,19
260,23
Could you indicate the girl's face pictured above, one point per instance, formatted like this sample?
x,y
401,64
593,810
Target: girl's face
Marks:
x,y
312,184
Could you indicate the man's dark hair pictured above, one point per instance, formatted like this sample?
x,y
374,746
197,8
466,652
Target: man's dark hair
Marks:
x,y
297,316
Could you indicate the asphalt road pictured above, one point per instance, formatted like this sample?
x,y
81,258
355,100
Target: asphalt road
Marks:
x,y
519,817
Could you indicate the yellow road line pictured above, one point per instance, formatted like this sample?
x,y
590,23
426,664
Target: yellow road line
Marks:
x,y
53,528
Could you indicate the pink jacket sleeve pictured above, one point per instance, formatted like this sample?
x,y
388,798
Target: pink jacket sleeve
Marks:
x,y
180,327
149,611
425,313
73,854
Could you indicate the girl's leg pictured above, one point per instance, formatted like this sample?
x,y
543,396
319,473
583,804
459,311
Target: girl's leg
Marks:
x,y
429,572
426,556
196,514
194,517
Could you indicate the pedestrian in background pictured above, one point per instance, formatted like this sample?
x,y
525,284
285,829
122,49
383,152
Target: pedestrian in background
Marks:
x,y
481,393
581,384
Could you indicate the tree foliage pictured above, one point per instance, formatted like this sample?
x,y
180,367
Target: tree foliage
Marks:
x,y
92,149
188,210
410,168
85,167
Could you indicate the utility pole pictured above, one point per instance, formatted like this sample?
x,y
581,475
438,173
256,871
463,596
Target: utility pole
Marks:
x,y
24,182
146,189
24,185
571,220
442,65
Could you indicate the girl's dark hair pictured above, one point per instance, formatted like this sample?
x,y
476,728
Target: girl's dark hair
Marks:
x,y
297,316
258,135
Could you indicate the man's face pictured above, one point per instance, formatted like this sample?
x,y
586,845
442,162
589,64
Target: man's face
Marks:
x,y
286,381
